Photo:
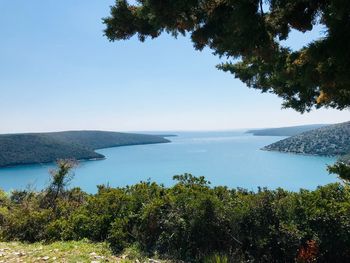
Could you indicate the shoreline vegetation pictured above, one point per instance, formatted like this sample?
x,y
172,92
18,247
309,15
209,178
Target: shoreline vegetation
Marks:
x,y
189,221
37,148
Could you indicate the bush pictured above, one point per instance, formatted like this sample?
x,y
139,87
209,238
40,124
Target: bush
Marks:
x,y
190,221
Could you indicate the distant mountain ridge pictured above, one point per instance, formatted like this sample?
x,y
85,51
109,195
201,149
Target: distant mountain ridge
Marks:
x,y
285,131
331,140
30,148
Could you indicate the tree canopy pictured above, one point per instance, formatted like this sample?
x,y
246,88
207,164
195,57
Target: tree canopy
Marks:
x,y
249,34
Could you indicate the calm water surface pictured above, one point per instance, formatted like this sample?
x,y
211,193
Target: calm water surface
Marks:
x,y
224,158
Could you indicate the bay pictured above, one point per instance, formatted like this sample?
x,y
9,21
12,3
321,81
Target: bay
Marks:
x,y
231,158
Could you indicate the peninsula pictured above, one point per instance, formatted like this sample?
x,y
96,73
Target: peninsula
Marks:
x,y
32,148
331,140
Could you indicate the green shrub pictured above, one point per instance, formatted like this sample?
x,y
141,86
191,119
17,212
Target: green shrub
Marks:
x,y
190,221
216,258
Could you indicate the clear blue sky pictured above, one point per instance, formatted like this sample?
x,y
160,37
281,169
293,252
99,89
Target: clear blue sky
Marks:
x,y
58,72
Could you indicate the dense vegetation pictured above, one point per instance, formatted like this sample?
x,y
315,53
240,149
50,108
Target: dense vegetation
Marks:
x,y
30,148
251,35
190,220
285,131
332,140
103,139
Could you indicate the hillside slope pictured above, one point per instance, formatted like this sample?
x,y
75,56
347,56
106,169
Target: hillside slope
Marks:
x,y
285,131
30,148
330,140
104,139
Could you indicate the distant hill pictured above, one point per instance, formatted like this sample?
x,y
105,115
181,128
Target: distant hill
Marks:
x,y
104,139
30,148
285,131
331,140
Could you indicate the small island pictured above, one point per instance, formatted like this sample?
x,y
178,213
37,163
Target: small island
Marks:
x,y
33,148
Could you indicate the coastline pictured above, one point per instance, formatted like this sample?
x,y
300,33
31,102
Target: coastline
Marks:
x,y
87,159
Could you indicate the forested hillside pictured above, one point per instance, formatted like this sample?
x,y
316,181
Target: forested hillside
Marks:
x,y
332,140
285,131
104,139
16,149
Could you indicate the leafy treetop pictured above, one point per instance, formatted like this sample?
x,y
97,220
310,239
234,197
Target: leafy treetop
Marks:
x,y
249,34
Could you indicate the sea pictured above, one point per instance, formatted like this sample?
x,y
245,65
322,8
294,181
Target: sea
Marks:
x,y
228,158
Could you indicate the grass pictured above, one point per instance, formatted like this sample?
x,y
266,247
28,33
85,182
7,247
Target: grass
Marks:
x,y
72,251
79,252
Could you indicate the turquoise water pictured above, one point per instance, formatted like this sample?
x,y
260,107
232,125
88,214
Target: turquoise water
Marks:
x,y
224,158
